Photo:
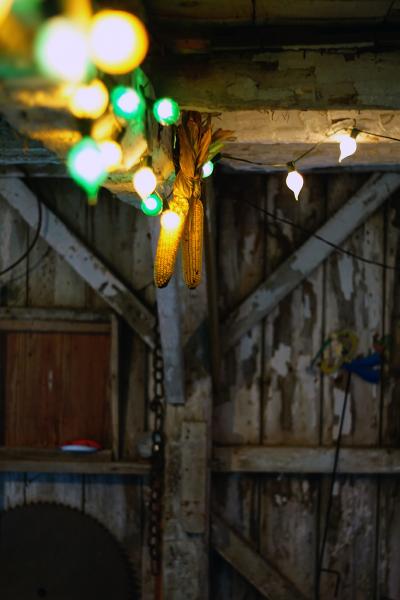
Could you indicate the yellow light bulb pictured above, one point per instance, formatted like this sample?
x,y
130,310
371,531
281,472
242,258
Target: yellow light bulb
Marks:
x,y
144,182
348,146
111,154
170,220
5,7
118,41
61,50
295,182
89,101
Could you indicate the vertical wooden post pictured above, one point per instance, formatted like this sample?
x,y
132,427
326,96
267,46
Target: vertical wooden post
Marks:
x,y
114,387
186,514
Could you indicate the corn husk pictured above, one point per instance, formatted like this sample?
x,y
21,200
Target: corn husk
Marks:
x,y
197,145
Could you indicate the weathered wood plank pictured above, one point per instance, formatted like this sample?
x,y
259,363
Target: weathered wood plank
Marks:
x,y
260,573
288,535
36,461
293,330
71,317
311,254
350,549
89,266
194,477
270,459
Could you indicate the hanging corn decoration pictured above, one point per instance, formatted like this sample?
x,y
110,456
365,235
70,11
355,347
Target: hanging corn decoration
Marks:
x,y
192,245
197,144
172,225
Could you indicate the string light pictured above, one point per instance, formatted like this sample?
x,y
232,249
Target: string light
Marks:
x,y
85,166
118,41
348,144
170,220
127,103
89,101
144,182
5,7
61,50
111,154
207,169
166,111
152,206
294,180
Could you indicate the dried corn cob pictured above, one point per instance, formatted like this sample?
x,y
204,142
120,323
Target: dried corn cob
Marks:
x,y
192,245
167,248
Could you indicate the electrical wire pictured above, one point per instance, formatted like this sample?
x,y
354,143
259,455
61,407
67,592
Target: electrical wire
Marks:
x,y
31,245
337,248
330,497
309,150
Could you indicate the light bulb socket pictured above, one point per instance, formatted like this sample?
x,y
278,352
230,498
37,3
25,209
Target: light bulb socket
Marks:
x,y
291,166
354,133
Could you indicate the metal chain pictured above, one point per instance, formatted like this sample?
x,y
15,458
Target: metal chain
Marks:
x,y
157,458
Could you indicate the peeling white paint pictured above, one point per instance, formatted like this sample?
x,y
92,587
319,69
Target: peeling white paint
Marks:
x,y
338,401
346,271
281,359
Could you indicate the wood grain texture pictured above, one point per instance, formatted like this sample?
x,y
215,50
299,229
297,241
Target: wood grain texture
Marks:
x,y
56,389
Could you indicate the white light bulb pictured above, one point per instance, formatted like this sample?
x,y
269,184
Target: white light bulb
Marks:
x,y
144,182
348,146
295,182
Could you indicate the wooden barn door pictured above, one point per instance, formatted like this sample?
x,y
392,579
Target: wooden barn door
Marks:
x,y
273,397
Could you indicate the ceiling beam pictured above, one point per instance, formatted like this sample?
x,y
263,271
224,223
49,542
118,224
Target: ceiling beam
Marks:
x,y
309,256
250,564
281,80
81,258
267,459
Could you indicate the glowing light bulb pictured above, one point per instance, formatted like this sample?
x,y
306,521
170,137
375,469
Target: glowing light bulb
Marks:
x,y
144,182
118,41
348,146
127,103
89,101
61,50
152,206
170,220
207,169
111,154
5,7
166,111
295,182
86,167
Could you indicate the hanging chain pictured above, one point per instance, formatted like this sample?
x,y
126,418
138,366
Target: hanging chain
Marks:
x,y
157,462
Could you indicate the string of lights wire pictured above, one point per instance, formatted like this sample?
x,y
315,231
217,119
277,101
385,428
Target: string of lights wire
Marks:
x,y
310,233
347,138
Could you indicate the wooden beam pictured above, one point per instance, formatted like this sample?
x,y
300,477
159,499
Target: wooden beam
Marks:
x,y
309,256
266,459
252,566
168,300
281,80
81,259
51,461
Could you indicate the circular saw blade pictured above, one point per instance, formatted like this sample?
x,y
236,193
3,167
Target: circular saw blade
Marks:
x,y
58,553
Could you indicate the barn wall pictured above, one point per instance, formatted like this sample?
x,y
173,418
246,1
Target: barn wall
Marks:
x,y
118,233
272,397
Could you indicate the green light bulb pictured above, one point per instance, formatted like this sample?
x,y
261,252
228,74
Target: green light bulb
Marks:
x,y
86,166
207,169
166,111
127,103
152,206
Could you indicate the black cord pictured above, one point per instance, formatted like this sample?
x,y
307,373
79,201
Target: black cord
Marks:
x,y
32,244
308,151
331,490
337,248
